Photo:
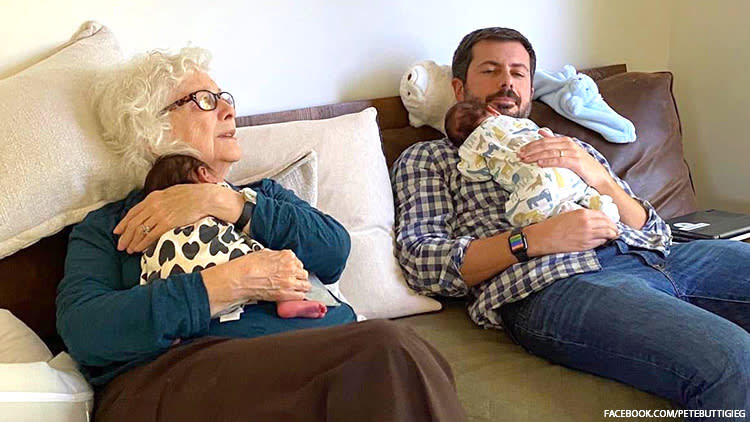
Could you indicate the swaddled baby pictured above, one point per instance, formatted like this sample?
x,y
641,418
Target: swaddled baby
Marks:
x,y
488,145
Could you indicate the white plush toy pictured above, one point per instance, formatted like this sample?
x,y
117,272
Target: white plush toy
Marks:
x,y
427,94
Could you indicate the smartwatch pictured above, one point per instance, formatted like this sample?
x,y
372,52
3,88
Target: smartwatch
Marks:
x,y
518,245
251,198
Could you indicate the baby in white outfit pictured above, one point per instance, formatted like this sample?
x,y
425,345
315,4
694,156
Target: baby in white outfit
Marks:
x,y
488,145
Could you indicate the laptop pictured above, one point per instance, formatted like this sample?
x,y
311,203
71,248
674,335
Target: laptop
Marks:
x,y
710,224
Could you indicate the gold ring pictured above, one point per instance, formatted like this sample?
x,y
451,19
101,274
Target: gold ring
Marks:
x,y
561,152
146,229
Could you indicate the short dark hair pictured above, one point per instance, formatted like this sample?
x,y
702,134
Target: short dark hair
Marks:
x,y
462,119
170,170
463,56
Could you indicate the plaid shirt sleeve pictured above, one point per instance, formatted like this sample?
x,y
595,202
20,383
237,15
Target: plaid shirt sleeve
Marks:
x,y
428,251
655,233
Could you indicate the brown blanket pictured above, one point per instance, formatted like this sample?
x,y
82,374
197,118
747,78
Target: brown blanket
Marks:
x,y
370,371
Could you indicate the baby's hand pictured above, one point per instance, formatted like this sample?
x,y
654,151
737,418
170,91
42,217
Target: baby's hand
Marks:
x,y
546,132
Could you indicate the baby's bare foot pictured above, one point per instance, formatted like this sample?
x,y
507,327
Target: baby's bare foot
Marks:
x,y
301,309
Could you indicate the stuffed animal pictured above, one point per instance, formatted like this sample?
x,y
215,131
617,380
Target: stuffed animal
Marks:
x,y
427,94
576,97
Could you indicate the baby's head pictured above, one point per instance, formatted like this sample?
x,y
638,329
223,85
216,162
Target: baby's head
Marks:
x,y
463,118
170,170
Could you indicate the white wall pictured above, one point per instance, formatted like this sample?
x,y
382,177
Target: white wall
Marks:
x,y
277,55
710,58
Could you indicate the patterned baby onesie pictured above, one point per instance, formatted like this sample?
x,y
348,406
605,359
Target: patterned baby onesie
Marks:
x,y
536,193
194,247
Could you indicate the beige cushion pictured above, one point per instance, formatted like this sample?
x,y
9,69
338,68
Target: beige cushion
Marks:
x,y
498,380
353,187
33,386
299,176
55,168
18,343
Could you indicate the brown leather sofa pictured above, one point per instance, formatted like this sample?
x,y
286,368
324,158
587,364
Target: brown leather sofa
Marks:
x,y
497,380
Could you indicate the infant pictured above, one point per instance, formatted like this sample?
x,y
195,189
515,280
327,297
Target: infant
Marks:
x,y
205,243
488,144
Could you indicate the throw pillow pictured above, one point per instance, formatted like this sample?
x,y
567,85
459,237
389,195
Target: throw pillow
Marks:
x,y
55,168
353,187
300,176
45,391
35,387
18,343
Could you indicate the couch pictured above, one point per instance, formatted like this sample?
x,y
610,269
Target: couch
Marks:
x,y
496,379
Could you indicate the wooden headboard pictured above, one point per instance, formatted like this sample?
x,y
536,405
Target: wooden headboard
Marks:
x,y
29,278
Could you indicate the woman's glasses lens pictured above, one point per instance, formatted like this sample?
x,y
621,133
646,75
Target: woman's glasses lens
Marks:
x,y
206,100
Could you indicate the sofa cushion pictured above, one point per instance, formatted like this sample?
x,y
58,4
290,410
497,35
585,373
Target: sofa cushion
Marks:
x,y
498,380
653,165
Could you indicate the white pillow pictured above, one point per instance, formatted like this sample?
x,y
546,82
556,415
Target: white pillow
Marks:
x,y
33,387
353,187
54,167
18,343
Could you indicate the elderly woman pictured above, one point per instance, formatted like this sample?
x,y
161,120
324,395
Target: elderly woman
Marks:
x,y
154,352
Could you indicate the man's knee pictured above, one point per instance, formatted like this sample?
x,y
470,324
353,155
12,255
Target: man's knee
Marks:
x,y
725,370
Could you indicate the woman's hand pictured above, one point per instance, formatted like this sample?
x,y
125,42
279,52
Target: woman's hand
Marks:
x,y
173,207
269,275
561,151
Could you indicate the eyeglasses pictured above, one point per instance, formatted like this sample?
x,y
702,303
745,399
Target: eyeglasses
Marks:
x,y
204,99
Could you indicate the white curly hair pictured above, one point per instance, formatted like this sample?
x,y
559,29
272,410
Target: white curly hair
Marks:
x,y
129,99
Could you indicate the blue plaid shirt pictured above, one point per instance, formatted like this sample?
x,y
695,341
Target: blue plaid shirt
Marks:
x,y
438,213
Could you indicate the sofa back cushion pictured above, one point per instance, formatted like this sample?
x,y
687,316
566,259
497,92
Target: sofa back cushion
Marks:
x,y
653,165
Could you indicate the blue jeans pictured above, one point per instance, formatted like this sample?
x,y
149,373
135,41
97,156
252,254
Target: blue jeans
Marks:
x,y
678,328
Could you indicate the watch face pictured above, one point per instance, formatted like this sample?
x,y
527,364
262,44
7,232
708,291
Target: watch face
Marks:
x,y
516,242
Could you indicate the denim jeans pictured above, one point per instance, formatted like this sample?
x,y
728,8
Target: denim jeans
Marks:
x,y
675,327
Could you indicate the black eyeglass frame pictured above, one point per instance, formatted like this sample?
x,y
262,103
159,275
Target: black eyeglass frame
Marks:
x,y
194,98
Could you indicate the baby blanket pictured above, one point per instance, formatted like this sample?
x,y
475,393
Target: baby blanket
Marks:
x,y
576,97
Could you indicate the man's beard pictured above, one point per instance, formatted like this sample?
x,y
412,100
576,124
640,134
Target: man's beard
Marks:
x,y
523,112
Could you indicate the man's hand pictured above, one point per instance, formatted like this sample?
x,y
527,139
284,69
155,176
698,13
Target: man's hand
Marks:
x,y
269,275
175,206
561,151
573,231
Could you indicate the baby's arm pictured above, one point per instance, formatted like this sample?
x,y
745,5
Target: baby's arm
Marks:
x,y
592,199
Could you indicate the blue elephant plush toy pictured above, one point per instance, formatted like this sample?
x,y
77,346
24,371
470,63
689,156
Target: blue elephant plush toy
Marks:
x,y
576,97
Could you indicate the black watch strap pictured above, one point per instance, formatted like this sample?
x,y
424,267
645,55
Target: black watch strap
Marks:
x,y
518,245
247,213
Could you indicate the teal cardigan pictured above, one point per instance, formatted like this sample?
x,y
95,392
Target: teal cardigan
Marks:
x,y
110,323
